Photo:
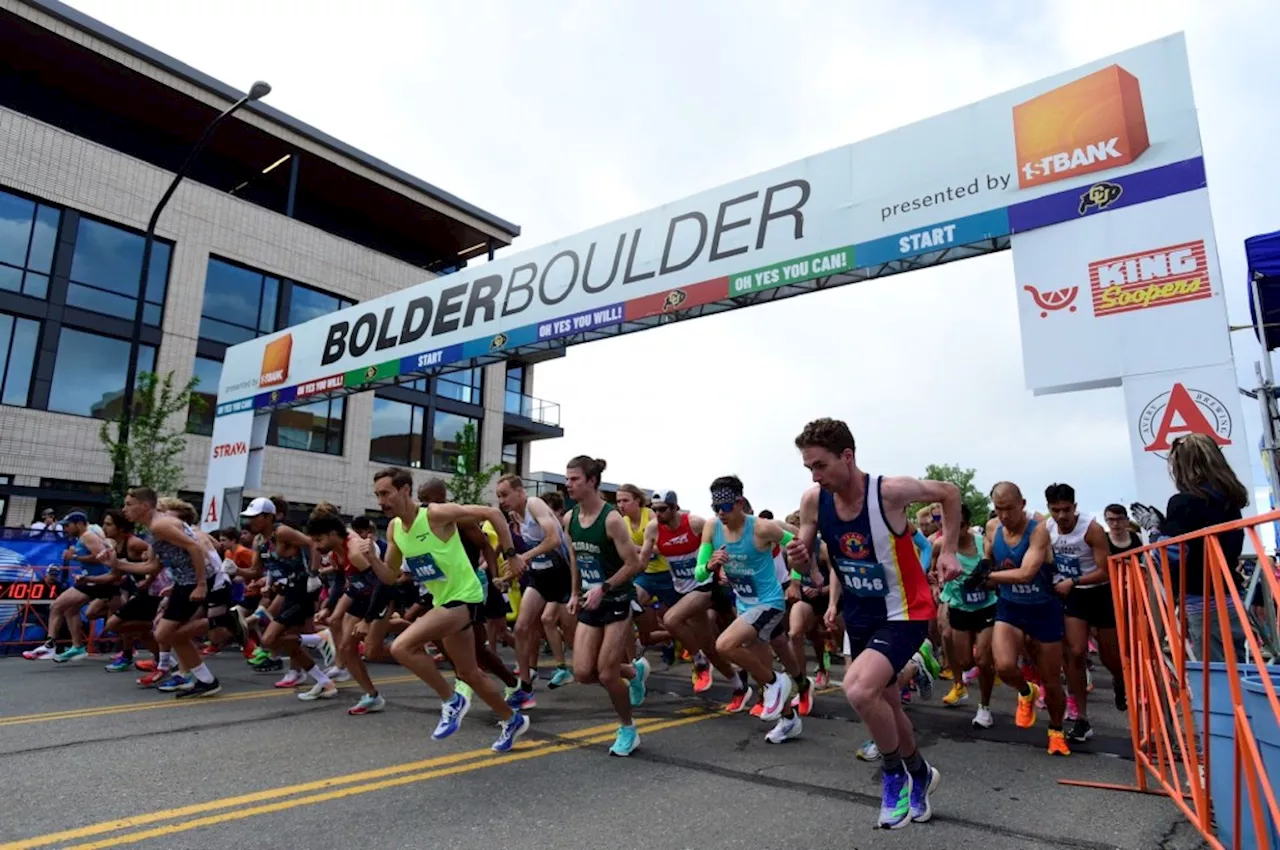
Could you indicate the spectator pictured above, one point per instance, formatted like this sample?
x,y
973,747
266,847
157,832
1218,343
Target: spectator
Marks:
x,y
48,522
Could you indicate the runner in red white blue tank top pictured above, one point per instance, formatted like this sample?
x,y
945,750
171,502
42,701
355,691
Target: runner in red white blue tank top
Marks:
x,y
887,603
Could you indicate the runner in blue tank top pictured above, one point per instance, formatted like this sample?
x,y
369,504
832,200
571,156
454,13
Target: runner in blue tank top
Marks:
x,y
740,549
1022,569
887,601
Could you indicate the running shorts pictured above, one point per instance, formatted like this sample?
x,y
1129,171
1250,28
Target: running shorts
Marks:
x,y
141,608
552,583
608,611
819,604
220,598
721,598
250,603
99,591
359,605
973,622
896,640
495,604
1093,604
769,622
660,586
1041,622
473,610
297,609
180,608
380,602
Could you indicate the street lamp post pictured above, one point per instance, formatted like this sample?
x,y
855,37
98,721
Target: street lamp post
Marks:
x,y
257,91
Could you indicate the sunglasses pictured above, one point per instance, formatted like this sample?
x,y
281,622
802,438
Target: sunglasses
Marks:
x,y
724,507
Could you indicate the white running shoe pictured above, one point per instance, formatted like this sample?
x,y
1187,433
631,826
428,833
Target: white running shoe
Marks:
x,y
338,674
983,718
319,692
776,694
787,728
328,652
40,653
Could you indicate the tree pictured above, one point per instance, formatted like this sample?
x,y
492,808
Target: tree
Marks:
x,y
469,482
979,505
150,459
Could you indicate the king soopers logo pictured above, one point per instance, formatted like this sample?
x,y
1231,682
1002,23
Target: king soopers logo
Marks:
x,y
1051,302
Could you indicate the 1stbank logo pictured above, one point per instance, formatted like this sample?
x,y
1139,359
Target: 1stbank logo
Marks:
x,y
1051,302
1182,411
1147,279
1091,124
275,361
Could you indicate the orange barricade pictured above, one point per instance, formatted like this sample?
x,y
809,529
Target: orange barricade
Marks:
x,y
1172,708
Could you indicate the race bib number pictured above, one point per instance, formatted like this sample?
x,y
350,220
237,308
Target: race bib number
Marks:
x,y
975,597
863,578
423,568
589,571
743,584
1068,566
683,568
1028,592
358,582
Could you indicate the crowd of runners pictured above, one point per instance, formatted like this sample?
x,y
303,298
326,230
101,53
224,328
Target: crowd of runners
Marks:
x,y
909,598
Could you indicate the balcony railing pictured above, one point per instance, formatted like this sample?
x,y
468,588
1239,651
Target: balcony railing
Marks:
x,y
539,410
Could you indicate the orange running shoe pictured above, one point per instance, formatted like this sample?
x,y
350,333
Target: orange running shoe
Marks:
x,y
739,700
1057,740
145,665
804,702
758,709
1026,716
701,680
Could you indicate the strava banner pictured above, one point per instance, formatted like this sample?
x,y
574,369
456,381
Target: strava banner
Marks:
x,y
1118,132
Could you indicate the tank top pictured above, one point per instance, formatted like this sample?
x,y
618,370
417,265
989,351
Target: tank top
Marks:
x,y
1039,590
880,572
597,558
359,582
532,534
1135,542
290,572
177,562
679,546
953,592
92,568
750,570
1072,556
439,567
657,563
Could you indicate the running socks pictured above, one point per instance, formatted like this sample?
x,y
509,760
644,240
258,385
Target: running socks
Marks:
x,y
914,762
893,761
203,674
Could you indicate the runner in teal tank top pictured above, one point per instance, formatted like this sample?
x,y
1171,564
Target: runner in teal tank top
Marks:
x,y
971,613
603,561
425,544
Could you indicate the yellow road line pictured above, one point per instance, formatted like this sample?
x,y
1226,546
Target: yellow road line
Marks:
x,y
315,785
98,711
241,814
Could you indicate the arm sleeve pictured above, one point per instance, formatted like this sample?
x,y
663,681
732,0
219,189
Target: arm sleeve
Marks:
x,y
700,572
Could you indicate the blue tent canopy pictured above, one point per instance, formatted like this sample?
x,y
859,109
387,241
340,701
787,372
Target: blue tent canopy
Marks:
x,y
1262,253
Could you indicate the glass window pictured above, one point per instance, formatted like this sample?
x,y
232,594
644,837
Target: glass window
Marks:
x,y
315,427
200,420
89,372
306,304
511,457
239,303
105,268
397,433
513,398
463,385
18,343
28,232
446,439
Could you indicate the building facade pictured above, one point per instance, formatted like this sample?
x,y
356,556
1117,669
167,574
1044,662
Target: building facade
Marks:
x,y
276,224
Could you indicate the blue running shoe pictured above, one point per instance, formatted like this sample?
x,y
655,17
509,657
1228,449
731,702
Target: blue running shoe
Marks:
x,y
637,685
921,784
563,676
519,700
895,803
626,741
451,714
512,728
119,664
73,653
176,682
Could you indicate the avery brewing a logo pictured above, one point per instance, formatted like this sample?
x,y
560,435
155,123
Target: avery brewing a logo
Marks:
x,y
1169,275
275,361
1182,411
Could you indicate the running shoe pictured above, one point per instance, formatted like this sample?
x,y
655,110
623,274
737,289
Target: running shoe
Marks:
x,y
1088,680
451,714
199,689
895,800
41,652
1058,743
787,728
154,678
930,662
983,719
921,785
637,685
368,705
512,728
1073,709
776,694
144,665
72,653
625,742
923,679
947,674
1081,731
971,675
520,700
328,652
338,674
176,682
119,664
319,691
259,655
803,701
563,676
757,710
208,650
1026,715
822,679
868,751
739,700
292,679
271,665
958,694
701,680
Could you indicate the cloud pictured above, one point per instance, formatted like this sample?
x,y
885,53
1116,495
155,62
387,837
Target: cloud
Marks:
x,y
564,116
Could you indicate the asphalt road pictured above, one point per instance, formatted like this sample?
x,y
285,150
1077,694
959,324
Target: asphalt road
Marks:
x,y
89,760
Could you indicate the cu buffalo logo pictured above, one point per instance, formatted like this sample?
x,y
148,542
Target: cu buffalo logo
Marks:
x,y
498,342
275,396
1052,301
370,373
1099,196
854,546
675,298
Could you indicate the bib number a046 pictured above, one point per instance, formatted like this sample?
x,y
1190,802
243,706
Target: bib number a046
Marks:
x,y
863,578
424,568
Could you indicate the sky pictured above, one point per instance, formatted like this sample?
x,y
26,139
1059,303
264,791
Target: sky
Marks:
x,y
563,115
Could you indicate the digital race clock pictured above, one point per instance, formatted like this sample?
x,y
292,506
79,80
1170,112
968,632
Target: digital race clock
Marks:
x,y
27,591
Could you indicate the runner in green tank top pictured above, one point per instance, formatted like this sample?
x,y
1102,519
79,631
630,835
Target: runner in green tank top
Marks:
x,y
425,543
603,560
971,617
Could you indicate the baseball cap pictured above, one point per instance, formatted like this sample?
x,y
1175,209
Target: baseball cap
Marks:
x,y
668,499
258,507
75,516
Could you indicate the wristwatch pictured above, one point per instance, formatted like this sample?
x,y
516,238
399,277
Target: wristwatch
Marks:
x,y
604,586
509,552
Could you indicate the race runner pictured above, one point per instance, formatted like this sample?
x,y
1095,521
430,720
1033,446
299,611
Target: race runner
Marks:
x,y
426,544
887,602
603,561
90,551
971,617
654,588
